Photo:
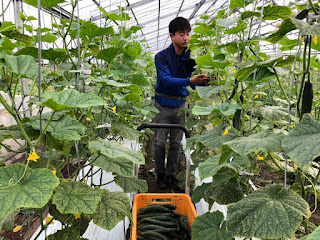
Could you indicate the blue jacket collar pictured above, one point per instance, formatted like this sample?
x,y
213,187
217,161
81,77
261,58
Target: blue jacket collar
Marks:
x,y
185,54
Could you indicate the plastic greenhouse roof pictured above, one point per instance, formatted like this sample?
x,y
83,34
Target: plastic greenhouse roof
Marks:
x,y
153,15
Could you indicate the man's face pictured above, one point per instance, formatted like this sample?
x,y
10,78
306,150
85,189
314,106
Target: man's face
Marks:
x,y
180,38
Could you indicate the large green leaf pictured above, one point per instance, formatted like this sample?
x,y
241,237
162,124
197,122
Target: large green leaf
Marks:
x,y
89,30
76,197
45,3
275,212
205,92
108,54
48,37
273,113
204,30
113,149
226,109
238,3
211,166
4,134
206,61
249,14
226,191
120,166
212,139
285,27
7,26
262,74
227,22
132,184
66,128
49,54
210,226
276,12
245,72
265,141
22,66
303,143
305,28
315,235
67,233
33,191
71,98
125,131
113,207
6,44
242,25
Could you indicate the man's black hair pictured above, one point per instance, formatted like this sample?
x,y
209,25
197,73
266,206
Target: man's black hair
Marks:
x,y
179,24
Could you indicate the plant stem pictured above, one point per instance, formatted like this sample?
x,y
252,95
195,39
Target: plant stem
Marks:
x,y
45,129
275,162
280,85
14,114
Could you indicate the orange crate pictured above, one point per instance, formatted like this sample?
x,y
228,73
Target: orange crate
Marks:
x,y
181,201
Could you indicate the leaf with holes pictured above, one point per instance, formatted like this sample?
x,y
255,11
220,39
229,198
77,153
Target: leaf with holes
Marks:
x,y
302,144
276,213
113,149
210,226
132,184
285,27
71,98
33,191
76,198
120,166
113,207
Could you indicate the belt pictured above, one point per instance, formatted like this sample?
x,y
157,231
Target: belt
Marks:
x,y
179,98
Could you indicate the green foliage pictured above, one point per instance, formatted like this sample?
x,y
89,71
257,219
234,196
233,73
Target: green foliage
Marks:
x,y
112,149
118,165
24,189
132,184
210,226
302,143
276,212
66,233
22,66
113,207
45,4
76,197
70,98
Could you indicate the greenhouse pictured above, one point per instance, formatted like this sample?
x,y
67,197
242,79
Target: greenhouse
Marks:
x,y
180,120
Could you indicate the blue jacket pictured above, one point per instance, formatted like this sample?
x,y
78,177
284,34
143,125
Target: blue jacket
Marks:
x,y
173,75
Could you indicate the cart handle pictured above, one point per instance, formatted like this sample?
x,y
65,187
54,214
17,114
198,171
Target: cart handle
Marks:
x,y
164,125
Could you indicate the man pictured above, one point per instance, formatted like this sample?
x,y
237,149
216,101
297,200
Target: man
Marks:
x,y
174,68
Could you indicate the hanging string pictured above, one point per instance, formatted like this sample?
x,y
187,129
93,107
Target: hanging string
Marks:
x,y
39,78
78,43
255,72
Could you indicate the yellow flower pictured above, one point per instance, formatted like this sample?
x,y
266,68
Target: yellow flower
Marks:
x,y
33,157
17,228
256,96
260,158
295,166
5,111
315,39
213,103
76,216
54,172
301,38
88,119
278,83
234,71
291,126
303,176
84,180
225,132
48,220
114,109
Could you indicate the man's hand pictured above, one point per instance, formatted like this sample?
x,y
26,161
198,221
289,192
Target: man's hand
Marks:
x,y
199,79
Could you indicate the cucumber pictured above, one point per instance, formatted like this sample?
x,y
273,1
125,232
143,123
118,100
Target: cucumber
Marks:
x,y
157,228
155,208
150,235
307,98
146,221
159,217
